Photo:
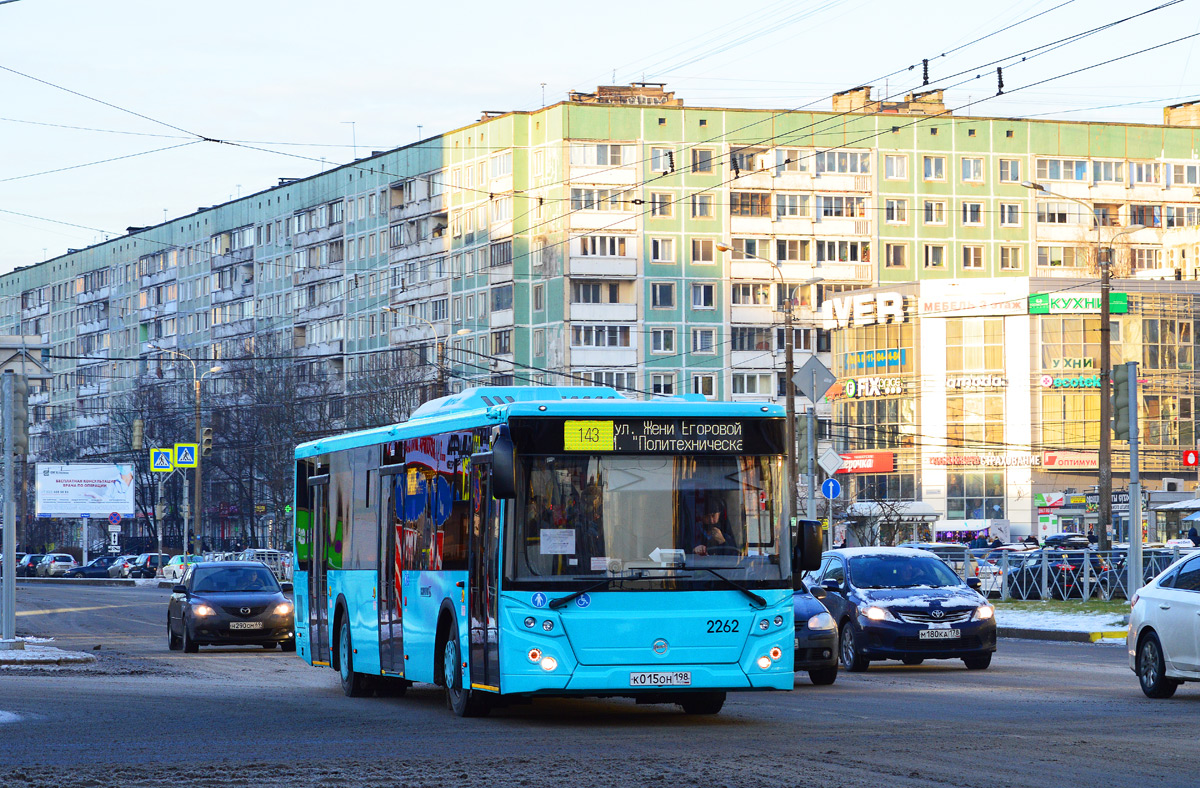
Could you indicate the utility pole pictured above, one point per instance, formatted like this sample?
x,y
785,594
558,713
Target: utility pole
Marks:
x,y
8,625
789,369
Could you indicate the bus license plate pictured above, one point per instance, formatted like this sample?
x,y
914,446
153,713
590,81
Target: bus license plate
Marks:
x,y
681,678
940,634
245,625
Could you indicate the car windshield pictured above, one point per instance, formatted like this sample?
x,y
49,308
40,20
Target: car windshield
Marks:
x,y
226,579
900,571
648,521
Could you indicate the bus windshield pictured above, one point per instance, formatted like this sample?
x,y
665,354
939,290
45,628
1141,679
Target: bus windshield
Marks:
x,y
649,521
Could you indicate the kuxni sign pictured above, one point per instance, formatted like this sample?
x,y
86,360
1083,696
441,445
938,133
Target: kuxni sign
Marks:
x,y
1085,304
855,388
1072,363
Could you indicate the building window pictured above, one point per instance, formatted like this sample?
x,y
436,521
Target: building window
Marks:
x,y
935,168
594,293
972,169
1146,215
791,251
1061,257
590,199
611,378
972,258
702,160
1010,170
1145,172
789,206
972,213
843,251
895,167
975,495
837,206
895,255
844,162
744,294
662,340
1062,213
660,204
539,297
662,384
662,160
1010,258
790,160
1108,171
539,342
599,336
935,212
1010,214
745,338
662,250
704,340
502,342
602,155
1183,215
702,250
1142,259
704,384
662,295
702,205
703,296
935,256
602,246
749,204
975,345
752,383
896,211
1061,169
501,254
748,249
1070,419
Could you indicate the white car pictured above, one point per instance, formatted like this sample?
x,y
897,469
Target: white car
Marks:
x,y
56,564
1164,629
174,569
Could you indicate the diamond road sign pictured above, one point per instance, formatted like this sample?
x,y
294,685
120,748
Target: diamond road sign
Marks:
x,y
813,379
830,462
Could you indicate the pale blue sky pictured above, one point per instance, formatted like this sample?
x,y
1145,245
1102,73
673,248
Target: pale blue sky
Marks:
x,y
276,72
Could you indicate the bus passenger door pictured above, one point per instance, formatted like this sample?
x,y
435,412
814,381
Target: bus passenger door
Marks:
x,y
318,585
391,633
483,569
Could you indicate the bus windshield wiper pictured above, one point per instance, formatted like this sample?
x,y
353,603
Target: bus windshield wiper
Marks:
x,y
555,604
734,584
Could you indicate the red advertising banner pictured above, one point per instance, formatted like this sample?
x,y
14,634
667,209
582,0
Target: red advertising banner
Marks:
x,y
868,462
1191,458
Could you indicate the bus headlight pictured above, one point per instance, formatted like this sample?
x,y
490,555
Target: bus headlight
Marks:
x,y
764,662
549,663
530,621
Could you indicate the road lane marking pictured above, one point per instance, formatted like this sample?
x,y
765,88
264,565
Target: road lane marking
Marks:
x,y
70,610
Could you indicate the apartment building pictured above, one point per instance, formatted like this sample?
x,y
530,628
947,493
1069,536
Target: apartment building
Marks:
x,y
620,237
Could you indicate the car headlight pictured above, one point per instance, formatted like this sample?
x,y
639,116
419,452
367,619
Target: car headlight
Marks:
x,y
821,621
875,613
984,612
283,608
202,609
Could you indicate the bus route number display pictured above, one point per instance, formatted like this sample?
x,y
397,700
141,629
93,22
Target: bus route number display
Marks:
x,y
588,435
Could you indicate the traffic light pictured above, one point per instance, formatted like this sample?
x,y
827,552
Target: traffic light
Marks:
x,y
1124,392
20,414
139,428
206,442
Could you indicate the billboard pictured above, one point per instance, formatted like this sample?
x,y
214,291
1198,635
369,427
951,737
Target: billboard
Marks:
x,y
868,462
84,490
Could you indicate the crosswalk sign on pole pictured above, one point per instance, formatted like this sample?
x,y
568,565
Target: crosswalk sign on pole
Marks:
x,y
185,455
161,460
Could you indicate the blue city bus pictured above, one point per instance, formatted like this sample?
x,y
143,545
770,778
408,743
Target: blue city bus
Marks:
x,y
513,542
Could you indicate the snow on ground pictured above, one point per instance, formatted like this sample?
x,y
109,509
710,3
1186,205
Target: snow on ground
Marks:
x,y
36,653
8,716
1058,622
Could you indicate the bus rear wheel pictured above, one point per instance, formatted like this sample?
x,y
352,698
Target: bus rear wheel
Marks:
x,y
463,701
702,702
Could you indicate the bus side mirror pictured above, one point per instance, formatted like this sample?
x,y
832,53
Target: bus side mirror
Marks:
x,y
807,549
504,467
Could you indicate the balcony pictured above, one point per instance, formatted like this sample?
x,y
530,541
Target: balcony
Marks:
x,y
103,324
231,258
91,296
624,313
35,311
331,347
233,293
607,357
501,318
320,274
846,272
428,246
233,329
159,278
599,265
604,175
317,312
614,221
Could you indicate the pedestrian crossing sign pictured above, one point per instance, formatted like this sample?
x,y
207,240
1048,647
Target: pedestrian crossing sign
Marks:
x,y
185,455
161,460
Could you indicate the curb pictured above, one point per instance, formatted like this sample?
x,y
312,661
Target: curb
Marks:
x,y
35,655
1057,635
77,581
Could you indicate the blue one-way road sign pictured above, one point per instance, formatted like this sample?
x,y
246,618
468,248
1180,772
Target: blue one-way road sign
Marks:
x,y
831,488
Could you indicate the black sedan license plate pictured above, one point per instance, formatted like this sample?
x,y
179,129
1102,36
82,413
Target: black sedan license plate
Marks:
x,y
679,678
940,634
245,625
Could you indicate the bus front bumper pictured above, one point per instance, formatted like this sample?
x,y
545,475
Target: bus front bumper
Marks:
x,y
634,680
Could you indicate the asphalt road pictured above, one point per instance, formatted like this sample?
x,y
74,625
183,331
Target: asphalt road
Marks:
x,y
1045,714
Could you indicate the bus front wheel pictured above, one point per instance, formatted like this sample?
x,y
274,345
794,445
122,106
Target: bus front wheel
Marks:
x,y
702,702
463,701
353,684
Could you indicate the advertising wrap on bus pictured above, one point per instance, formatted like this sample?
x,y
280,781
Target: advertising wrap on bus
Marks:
x,y
551,541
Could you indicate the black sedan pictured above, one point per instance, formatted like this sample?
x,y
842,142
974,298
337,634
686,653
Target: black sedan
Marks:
x,y
230,603
816,646
899,603
97,567
27,566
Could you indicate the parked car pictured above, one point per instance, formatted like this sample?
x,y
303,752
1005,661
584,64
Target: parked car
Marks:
x,y
17,557
1064,574
1067,541
905,604
230,602
121,565
816,645
272,558
1164,629
957,555
1155,560
55,564
174,569
146,565
97,567
27,567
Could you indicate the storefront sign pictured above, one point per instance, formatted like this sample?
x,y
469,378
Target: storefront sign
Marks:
x,y
1075,304
1051,500
868,462
856,388
877,360
1072,363
1019,459
1071,460
952,299
975,382
863,310
1120,501
1078,382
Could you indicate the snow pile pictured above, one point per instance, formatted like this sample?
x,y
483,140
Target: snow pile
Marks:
x,y
1046,620
8,716
37,654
